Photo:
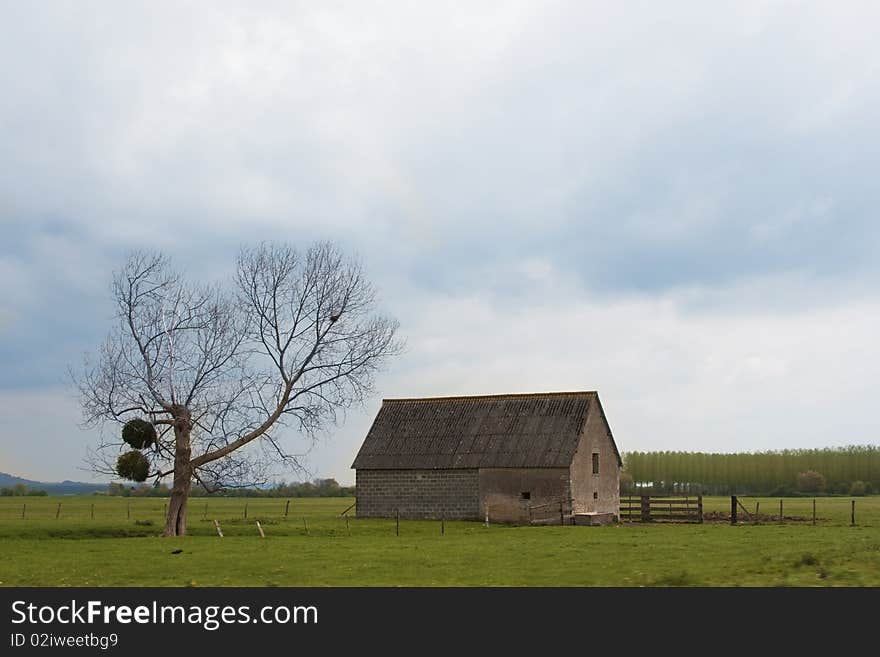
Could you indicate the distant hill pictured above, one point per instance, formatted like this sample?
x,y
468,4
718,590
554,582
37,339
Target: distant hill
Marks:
x,y
53,488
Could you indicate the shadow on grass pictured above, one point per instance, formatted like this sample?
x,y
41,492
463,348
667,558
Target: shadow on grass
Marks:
x,y
682,578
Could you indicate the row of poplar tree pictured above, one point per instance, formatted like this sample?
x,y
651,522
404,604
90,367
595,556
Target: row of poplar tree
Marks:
x,y
839,470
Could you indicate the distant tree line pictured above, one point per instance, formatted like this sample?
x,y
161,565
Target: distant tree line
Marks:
x,y
314,488
853,470
142,490
19,490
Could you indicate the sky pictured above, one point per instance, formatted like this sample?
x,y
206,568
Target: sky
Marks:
x,y
671,203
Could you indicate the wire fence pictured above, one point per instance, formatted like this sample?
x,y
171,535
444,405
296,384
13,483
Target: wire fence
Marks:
x,y
121,508
337,516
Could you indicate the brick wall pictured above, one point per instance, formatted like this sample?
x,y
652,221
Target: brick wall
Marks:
x,y
418,493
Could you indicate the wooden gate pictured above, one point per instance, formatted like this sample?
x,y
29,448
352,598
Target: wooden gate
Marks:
x,y
668,508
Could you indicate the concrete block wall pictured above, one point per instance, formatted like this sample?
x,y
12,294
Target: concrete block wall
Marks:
x,y
418,493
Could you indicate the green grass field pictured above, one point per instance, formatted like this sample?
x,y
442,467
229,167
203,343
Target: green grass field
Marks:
x,y
113,549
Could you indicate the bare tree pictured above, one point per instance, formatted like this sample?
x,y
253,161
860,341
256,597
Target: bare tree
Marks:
x,y
216,373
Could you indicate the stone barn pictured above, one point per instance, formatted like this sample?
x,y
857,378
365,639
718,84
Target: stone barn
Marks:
x,y
514,457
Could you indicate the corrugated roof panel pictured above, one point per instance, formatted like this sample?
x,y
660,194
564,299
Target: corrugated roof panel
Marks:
x,y
466,432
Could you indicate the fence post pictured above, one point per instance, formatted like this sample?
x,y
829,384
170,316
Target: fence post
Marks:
x,y
487,515
245,509
23,507
397,523
165,510
700,508
733,509
561,515
306,525
262,535
780,510
93,510
757,513
58,511
645,501
814,510
442,525
852,521
286,508
128,511
219,531
347,528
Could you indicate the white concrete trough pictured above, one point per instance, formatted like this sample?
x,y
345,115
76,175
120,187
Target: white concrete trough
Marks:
x,y
592,519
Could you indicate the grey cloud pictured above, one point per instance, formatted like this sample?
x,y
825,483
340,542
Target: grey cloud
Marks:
x,y
720,159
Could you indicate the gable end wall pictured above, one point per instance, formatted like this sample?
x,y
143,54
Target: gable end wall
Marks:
x,y
596,438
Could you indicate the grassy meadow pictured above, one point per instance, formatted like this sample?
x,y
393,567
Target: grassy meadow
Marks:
x,y
313,546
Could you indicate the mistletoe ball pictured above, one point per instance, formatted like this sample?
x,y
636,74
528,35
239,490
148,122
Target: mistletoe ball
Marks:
x,y
133,466
138,433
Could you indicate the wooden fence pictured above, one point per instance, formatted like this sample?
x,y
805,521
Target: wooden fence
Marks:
x,y
557,512
668,508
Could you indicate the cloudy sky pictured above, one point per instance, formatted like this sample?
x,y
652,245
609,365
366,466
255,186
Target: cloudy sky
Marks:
x,y
674,204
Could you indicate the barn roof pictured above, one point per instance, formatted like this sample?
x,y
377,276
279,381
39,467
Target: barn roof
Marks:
x,y
493,431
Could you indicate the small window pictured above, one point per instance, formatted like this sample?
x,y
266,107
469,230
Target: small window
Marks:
x,y
595,464
595,495
526,495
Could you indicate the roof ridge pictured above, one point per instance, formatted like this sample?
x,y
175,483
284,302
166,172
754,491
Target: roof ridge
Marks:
x,y
511,395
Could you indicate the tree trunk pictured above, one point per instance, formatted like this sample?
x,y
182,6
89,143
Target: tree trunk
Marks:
x,y
175,524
